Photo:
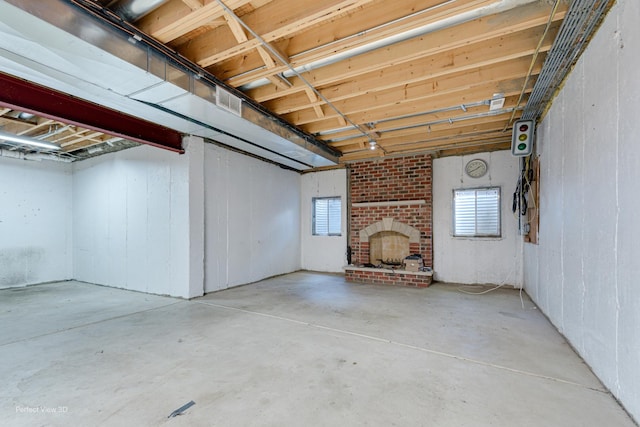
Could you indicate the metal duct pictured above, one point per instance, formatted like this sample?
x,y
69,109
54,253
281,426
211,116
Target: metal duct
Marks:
x,y
576,30
58,43
132,10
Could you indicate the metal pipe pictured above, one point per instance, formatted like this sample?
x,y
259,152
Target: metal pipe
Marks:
x,y
501,6
132,10
407,116
284,61
450,120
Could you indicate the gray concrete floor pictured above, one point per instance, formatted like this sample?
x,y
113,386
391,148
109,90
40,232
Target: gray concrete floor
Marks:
x,y
298,350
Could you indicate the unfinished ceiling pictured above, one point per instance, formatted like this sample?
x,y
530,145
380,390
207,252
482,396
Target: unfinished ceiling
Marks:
x,y
75,142
367,78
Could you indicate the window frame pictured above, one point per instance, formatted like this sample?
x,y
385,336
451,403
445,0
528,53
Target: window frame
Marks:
x,y
313,217
477,235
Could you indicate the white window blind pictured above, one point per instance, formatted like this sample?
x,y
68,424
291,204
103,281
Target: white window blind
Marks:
x,y
476,212
327,215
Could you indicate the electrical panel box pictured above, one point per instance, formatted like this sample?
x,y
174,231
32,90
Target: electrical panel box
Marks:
x,y
522,139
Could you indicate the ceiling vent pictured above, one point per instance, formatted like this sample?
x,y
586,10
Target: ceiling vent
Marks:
x,y
228,101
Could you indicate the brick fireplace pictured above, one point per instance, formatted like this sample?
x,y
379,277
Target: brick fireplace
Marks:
x,y
391,211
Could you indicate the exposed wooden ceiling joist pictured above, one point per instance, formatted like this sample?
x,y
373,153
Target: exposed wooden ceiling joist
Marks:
x,y
412,76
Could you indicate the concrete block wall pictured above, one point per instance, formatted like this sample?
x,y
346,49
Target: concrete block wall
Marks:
x,y
392,180
583,274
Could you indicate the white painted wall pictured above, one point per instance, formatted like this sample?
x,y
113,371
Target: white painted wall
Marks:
x,y
252,219
35,222
323,253
584,273
477,261
132,225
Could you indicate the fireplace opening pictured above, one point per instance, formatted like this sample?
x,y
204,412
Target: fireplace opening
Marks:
x,y
389,248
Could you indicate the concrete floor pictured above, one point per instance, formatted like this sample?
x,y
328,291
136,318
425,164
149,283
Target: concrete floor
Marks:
x,y
298,350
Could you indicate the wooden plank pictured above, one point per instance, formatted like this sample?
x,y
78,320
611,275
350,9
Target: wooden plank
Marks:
x,y
313,98
279,81
445,40
431,67
447,149
82,141
42,123
174,18
236,29
268,60
291,17
194,4
376,112
16,126
422,120
533,199
356,29
421,133
418,90
490,134
478,94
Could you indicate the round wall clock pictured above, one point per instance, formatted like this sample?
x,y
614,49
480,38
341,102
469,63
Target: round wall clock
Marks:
x,y
476,168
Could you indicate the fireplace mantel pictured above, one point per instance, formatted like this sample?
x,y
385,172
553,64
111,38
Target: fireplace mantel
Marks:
x,y
389,203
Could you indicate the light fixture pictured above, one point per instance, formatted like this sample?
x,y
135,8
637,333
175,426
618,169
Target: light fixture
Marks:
x,y
4,136
372,145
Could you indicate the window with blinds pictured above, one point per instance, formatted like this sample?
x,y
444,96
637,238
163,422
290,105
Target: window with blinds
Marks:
x,y
476,212
327,215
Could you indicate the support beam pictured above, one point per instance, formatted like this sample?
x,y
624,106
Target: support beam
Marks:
x,y
25,96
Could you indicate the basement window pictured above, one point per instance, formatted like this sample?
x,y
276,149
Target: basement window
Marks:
x,y
476,212
327,215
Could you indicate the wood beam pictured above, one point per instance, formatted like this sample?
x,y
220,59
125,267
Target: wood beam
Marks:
x,y
452,98
430,68
194,4
175,18
457,37
279,81
425,122
291,17
81,142
418,133
42,122
478,94
313,98
376,21
236,29
430,87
